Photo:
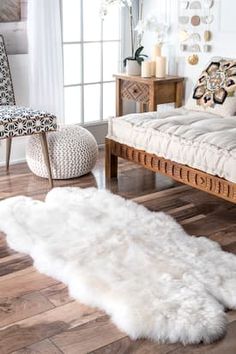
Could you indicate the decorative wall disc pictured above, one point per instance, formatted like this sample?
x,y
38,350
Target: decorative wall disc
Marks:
x,y
195,21
207,36
183,47
183,20
193,59
183,36
194,48
208,3
195,5
207,48
195,37
184,4
208,19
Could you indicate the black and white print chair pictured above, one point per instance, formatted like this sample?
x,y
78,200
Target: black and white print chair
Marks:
x,y
18,121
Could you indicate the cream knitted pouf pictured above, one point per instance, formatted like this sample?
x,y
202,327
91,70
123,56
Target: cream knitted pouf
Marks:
x,y
73,152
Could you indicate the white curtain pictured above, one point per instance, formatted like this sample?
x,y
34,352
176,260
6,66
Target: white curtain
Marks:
x,y
45,56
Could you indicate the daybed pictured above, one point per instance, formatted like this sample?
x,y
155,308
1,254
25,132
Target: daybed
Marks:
x,y
194,145
191,147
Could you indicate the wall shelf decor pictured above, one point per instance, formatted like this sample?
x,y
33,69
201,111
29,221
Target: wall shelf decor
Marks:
x,y
196,21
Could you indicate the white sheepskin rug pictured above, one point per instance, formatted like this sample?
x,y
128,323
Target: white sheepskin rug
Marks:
x,y
139,266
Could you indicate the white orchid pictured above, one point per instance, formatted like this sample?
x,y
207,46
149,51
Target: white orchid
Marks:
x,y
105,4
118,2
151,24
159,28
141,27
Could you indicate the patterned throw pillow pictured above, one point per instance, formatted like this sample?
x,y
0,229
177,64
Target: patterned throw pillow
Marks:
x,y
215,91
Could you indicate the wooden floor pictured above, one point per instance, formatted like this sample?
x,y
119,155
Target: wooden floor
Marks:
x,y
36,313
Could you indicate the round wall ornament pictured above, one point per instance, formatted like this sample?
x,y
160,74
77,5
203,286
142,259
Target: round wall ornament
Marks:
x,y
195,20
183,35
184,4
195,5
183,20
208,19
207,36
193,59
208,3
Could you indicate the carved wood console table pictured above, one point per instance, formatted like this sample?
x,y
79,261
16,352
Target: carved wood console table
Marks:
x,y
149,92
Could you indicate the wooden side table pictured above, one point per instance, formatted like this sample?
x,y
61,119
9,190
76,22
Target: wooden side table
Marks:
x,y
149,92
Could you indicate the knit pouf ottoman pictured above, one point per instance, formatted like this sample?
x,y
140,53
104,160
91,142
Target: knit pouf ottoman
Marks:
x,y
73,152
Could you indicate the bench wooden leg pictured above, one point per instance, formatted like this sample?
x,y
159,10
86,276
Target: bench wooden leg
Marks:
x,y
44,145
8,152
111,162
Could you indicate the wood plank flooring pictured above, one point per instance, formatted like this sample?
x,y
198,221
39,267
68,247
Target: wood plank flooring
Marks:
x,y
36,313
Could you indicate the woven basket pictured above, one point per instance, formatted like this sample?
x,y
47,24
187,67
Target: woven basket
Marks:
x,y
73,152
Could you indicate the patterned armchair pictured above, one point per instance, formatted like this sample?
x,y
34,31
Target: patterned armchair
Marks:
x,y
20,121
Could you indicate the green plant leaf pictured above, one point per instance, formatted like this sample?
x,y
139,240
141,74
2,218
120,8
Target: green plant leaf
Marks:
x,y
138,52
137,56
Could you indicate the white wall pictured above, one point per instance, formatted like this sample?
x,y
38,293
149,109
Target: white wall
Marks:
x,y
223,44
19,71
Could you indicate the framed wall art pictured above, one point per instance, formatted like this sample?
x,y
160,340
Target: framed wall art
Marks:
x,y
13,25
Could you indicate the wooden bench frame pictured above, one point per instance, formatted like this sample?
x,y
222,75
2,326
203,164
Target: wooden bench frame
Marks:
x,y
187,175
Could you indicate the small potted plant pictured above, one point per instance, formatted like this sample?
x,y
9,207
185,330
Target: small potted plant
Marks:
x,y
133,63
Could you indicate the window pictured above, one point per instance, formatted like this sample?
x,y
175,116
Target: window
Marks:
x,y
91,56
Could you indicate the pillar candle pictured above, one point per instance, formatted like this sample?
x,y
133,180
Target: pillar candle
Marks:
x,y
160,67
156,51
146,69
153,68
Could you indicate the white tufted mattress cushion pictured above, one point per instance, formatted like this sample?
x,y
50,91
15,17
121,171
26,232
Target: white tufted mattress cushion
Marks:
x,y
197,139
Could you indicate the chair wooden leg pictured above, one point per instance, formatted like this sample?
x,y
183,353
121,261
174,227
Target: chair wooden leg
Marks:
x,y
8,152
44,145
111,162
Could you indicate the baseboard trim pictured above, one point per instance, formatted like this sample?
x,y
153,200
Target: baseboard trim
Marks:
x,y
13,162
22,160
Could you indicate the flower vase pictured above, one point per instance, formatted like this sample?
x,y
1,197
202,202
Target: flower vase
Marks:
x,y
156,51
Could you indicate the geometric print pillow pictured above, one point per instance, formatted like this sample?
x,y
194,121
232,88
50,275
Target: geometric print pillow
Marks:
x,y
215,91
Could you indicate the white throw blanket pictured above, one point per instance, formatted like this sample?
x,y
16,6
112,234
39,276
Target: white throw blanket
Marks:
x,y
139,266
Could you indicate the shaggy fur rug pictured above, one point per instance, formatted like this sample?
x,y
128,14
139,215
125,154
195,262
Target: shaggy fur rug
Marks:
x,y
141,267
